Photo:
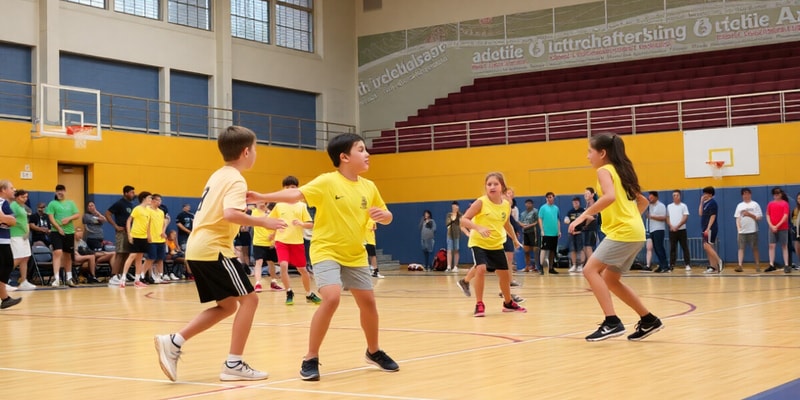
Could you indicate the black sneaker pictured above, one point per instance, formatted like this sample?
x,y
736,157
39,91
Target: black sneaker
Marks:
x,y
787,269
464,286
382,361
606,331
553,271
644,330
92,279
309,371
10,302
770,269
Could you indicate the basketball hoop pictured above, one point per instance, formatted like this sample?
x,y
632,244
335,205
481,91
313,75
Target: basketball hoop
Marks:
x,y
716,168
79,133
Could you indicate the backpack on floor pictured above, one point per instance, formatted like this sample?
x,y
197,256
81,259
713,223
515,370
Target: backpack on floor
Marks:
x,y
440,261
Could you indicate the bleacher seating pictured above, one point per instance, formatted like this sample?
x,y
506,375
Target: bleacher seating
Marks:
x,y
552,104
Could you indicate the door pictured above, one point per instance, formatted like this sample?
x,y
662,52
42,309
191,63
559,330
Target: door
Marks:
x,y
74,178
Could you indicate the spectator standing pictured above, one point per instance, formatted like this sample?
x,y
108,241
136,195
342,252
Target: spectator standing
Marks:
x,y
708,221
529,219
657,227
62,212
748,214
7,221
184,222
677,215
20,243
427,228
117,215
550,221
778,221
575,244
453,224
590,227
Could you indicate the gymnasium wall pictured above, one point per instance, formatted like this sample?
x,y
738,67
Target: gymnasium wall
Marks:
x,y
415,181
175,167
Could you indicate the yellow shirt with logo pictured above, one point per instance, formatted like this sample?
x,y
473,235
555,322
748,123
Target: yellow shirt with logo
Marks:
x,y
157,225
342,213
141,221
494,217
369,232
261,235
212,234
292,234
622,220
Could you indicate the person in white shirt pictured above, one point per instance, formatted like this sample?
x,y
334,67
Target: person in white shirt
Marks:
x,y
677,215
748,214
657,226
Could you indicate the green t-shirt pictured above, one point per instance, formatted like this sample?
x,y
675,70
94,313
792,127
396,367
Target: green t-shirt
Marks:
x,y
21,214
60,210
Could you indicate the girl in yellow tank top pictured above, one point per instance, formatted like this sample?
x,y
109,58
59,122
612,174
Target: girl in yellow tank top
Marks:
x,y
621,204
488,221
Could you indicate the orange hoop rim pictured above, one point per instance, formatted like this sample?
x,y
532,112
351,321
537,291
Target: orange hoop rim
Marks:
x,y
716,164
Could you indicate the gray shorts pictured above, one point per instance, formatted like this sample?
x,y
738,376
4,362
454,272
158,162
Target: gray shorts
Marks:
x,y
618,256
747,239
779,237
332,273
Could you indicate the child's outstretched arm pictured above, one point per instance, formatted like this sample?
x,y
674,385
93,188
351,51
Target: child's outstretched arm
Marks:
x,y
283,196
239,217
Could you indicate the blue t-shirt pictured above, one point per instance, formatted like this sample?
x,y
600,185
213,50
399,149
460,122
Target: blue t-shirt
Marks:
x,y
549,216
709,209
5,230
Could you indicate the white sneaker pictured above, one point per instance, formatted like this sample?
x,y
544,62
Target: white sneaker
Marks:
x,y
114,281
157,279
168,355
173,277
455,270
165,278
25,285
56,283
448,269
241,372
688,268
10,288
579,269
572,269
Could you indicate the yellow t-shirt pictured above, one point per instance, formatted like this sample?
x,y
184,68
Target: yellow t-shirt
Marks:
x,y
156,225
369,232
622,220
492,216
292,234
141,221
212,234
261,236
342,212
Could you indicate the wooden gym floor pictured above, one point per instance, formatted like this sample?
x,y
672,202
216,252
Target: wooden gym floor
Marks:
x,y
730,336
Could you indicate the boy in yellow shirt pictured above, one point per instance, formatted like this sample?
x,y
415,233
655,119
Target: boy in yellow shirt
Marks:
x,y
289,242
138,228
218,274
264,248
344,202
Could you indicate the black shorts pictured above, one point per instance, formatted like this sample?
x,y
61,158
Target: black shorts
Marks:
x,y
508,245
243,239
95,244
549,243
530,239
589,238
370,250
139,246
265,253
6,262
493,259
65,242
220,279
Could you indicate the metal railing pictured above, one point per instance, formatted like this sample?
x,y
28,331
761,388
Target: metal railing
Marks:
x,y
18,100
678,115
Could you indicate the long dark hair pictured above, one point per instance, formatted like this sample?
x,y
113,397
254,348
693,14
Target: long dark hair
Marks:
x,y
615,151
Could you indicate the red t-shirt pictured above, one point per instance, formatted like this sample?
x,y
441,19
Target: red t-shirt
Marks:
x,y
776,209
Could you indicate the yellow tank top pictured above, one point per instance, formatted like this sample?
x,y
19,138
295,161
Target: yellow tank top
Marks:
x,y
494,217
622,220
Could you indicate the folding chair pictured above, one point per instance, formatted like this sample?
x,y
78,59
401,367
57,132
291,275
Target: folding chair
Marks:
x,y
42,259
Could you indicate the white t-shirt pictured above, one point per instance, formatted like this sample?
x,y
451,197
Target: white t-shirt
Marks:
x,y
676,212
748,224
658,210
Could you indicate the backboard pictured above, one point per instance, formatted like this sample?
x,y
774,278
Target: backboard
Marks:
x,y
70,113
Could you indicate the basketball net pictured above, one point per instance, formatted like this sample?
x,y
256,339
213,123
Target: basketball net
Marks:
x,y
78,134
716,168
